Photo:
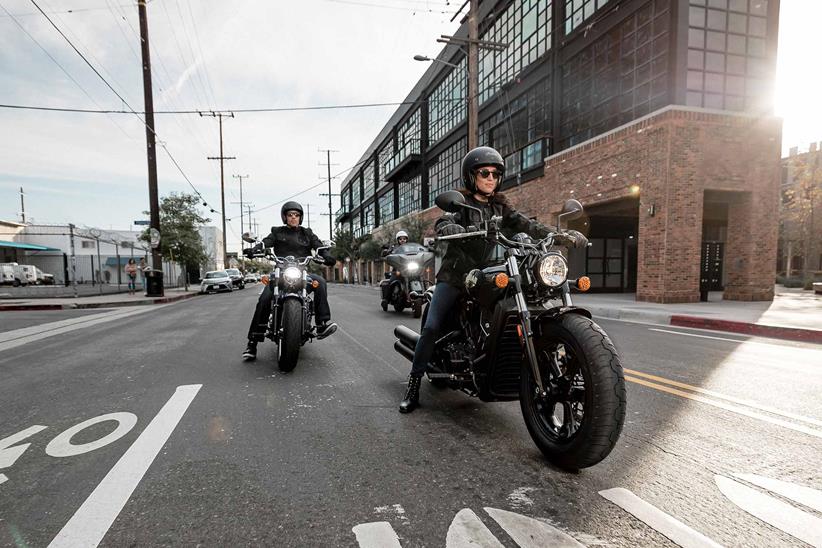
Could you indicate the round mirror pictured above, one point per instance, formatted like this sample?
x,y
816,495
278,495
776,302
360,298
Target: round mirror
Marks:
x,y
450,201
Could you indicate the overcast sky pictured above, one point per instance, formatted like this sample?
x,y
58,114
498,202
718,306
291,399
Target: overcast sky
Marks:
x,y
90,169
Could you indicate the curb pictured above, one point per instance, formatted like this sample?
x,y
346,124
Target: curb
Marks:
x,y
78,306
758,330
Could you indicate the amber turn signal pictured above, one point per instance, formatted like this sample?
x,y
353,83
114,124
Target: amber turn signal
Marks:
x,y
315,284
264,279
584,283
501,280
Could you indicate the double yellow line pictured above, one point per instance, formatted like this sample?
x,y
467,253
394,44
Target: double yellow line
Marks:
x,y
728,403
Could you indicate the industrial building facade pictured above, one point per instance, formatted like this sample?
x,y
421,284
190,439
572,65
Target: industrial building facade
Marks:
x,y
655,114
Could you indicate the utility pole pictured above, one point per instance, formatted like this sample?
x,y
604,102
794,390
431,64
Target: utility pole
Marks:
x,y
241,177
328,165
308,214
151,147
22,206
473,44
73,261
220,116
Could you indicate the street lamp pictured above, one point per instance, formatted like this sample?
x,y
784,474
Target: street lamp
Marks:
x,y
424,58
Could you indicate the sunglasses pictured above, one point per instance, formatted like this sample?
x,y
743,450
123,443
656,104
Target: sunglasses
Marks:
x,y
293,214
485,173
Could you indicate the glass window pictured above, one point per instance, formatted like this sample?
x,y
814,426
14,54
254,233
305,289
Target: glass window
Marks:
x,y
717,20
736,44
736,64
696,17
577,11
757,26
713,100
756,46
444,173
759,7
696,59
715,41
693,99
715,62
447,103
714,82
696,38
386,204
737,23
409,195
738,5
694,79
369,184
735,85
356,191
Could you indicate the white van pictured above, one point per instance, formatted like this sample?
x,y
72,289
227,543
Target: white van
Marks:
x,y
12,274
30,272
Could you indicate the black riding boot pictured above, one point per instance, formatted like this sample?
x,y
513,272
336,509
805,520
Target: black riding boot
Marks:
x,y
412,395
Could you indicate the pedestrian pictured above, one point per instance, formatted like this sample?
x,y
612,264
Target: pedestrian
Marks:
x,y
131,273
142,267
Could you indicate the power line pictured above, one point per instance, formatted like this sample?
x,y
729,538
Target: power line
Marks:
x,y
131,110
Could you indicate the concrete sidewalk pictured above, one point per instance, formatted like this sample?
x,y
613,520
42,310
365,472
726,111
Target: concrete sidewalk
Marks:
x,y
98,301
794,314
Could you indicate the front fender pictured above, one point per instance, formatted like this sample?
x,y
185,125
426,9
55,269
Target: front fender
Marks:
x,y
557,311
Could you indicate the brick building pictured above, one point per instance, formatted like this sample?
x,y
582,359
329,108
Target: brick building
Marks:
x,y
655,114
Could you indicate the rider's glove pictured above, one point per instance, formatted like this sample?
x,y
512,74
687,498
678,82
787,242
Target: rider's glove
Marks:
x,y
472,228
450,229
248,252
330,261
571,238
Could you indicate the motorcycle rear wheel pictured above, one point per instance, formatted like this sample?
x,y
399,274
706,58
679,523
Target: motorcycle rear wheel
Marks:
x,y
288,351
578,426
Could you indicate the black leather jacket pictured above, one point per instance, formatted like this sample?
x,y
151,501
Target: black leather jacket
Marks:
x,y
461,256
297,242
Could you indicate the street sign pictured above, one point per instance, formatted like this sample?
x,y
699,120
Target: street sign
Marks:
x,y
154,234
142,223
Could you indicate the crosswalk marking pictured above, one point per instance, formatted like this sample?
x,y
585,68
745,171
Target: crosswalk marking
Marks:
x,y
797,493
791,520
468,531
664,523
531,533
378,534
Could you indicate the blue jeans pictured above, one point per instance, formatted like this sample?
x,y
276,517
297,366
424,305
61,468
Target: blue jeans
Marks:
x,y
444,299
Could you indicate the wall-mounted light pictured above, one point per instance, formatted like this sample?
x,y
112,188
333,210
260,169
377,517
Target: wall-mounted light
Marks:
x,y
651,210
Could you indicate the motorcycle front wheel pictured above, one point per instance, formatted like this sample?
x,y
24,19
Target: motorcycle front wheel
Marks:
x,y
288,351
579,421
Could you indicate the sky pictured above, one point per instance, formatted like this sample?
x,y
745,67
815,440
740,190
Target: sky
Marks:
x,y
90,169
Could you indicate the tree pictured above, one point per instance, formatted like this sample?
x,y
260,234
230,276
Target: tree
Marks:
x,y
802,205
179,238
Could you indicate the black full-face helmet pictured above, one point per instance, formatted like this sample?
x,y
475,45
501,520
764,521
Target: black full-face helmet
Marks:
x,y
477,158
291,206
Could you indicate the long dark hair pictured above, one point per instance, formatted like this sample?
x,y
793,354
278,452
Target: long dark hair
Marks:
x,y
131,261
496,198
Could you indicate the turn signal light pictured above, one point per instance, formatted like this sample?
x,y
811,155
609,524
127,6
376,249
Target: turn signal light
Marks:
x,y
584,283
501,280
264,279
315,284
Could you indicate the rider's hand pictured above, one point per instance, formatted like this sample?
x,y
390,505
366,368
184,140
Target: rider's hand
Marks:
x,y
330,261
450,229
472,228
571,238
248,252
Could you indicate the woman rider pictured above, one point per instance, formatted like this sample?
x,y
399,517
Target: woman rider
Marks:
x,y
482,172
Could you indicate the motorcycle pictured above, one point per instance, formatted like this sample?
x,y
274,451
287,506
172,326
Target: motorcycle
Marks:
x,y
407,285
292,308
516,335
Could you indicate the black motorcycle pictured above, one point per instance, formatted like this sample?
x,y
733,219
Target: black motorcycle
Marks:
x,y
290,323
406,281
509,341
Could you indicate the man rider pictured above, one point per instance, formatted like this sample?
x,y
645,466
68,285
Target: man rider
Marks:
x,y
482,172
401,238
298,241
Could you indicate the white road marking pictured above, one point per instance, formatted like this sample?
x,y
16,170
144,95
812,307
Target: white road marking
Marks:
x,y
3,478
468,531
531,533
19,337
361,345
797,493
726,406
9,454
378,534
61,446
740,401
791,520
89,524
708,336
664,523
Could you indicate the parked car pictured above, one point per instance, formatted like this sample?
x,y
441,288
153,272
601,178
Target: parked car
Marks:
x,y
13,274
250,278
216,280
236,277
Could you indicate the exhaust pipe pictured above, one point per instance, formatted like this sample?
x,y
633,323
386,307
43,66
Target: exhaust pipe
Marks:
x,y
407,336
404,350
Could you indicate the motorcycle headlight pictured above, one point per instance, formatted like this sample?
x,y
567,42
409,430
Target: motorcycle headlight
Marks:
x,y
552,270
413,267
292,274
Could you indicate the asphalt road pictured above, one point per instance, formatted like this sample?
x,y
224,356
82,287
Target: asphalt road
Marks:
x,y
204,449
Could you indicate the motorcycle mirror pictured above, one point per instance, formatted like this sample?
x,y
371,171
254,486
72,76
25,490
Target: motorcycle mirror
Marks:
x,y
249,237
571,210
450,201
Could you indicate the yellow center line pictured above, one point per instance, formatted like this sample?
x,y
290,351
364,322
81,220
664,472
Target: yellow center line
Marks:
x,y
725,406
740,401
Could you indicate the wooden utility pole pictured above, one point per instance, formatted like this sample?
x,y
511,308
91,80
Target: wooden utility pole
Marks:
x,y
22,206
220,116
151,147
241,177
328,165
473,74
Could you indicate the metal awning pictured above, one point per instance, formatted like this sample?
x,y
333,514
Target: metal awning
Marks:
x,y
29,247
112,261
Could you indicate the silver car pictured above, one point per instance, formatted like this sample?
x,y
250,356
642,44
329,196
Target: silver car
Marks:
x,y
216,280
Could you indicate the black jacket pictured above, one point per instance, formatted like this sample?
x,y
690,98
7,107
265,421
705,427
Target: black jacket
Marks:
x,y
297,242
461,256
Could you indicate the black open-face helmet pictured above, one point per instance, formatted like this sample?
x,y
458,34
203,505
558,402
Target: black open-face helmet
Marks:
x,y
291,206
477,158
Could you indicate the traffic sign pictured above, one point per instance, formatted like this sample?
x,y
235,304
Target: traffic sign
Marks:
x,y
142,222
